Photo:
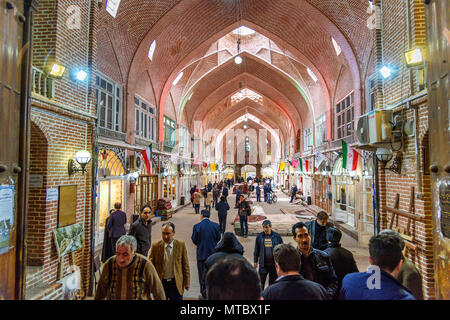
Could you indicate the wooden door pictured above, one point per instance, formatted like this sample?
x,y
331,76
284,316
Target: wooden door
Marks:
x,y
12,127
438,38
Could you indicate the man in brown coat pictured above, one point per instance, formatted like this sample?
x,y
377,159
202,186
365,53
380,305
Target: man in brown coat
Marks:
x,y
171,263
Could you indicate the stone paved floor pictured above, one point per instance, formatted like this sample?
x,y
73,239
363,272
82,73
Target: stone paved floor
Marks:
x,y
186,218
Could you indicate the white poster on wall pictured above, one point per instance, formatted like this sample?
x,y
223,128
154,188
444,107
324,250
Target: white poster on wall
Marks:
x,y
52,194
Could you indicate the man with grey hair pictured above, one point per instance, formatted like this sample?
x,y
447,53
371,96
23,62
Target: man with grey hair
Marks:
x,y
129,275
409,275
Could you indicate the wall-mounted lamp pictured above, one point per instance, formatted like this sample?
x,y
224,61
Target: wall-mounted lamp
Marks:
x,y
386,71
82,157
79,75
57,70
384,155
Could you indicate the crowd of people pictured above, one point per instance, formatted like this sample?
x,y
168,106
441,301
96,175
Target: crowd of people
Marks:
x,y
316,268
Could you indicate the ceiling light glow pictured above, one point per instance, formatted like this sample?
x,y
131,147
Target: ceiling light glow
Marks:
x,y
238,60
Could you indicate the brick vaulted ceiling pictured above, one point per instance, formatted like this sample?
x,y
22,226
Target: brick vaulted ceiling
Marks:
x,y
185,29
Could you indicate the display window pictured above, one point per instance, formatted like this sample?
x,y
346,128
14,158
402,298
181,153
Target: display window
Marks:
x,y
343,194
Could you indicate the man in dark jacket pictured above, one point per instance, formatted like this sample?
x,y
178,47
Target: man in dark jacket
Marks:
x,y
222,210
225,191
315,264
244,211
205,236
229,245
380,283
116,225
258,193
318,230
192,191
263,253
205,194
294,192
141,229
210,186
409,276
342,259
291,285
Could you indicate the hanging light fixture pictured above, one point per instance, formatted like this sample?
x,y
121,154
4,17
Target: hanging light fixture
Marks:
x,y
238,58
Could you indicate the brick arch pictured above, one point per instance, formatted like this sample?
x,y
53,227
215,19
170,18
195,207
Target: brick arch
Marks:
x,y
259,67
283,94
37,206
240,109
35,119
189,36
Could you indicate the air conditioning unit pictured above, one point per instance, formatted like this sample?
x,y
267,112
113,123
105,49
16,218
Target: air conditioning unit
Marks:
x,y
362,130
375,127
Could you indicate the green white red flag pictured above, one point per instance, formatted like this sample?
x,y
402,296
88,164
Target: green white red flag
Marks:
x,y
349,157
147,155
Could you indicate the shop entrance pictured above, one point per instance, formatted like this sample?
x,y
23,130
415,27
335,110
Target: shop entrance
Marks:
x,y
343,195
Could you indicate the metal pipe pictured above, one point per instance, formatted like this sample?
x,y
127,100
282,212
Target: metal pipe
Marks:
x,y
416,140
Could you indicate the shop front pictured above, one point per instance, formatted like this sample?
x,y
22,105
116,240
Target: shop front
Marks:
x,y
110,188
322,187
185,186
366,226
229,173
344,194
169,183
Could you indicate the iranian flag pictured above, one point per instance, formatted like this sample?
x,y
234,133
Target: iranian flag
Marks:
x,y
350,157
147,155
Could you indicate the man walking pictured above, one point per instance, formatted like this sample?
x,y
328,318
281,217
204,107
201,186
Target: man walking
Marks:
x,y
263,253
197,198
290,284
129,275
205,236
116,225
141,229
222,210
238,195
225,191
386,261
341,259
258,193
315,264
171,263
192,191
294,192
318,230
244,211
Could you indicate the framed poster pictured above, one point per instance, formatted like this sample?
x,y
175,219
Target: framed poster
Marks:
x,y
67,206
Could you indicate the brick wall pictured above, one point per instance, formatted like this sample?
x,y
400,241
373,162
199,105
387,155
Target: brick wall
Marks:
x,y
395,42
61,127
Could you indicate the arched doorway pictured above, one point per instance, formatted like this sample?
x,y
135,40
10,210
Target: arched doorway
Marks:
x,y
37,205
110,188
343,194
248,171
229,173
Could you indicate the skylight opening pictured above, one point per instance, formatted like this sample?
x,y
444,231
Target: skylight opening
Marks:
x,y
244,31
112,6
312,75
151,50
177,78
336,47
